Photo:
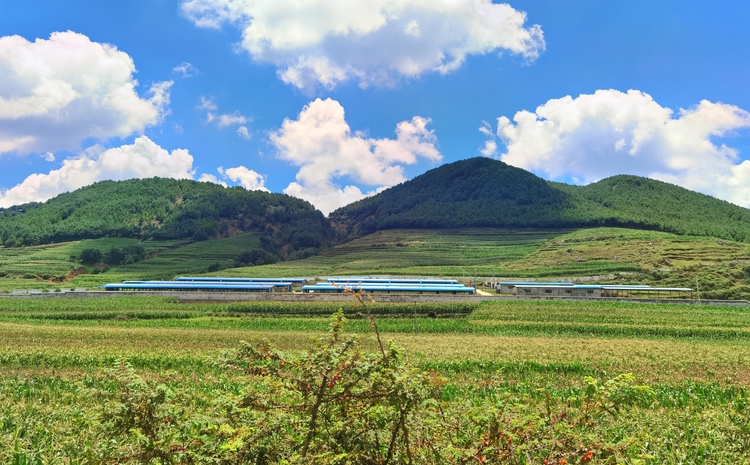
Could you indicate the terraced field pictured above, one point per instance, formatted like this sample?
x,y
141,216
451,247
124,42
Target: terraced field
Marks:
x,y
715,267
53,266
419,253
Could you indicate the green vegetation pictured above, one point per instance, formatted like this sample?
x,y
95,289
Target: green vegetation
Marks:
x,y
488,220
127,378
455,253
152,229
481,192
512,382
54,266
167,209
716,268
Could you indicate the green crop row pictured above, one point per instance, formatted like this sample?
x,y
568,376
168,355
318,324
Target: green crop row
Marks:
x,y
105,315
105,302
270,308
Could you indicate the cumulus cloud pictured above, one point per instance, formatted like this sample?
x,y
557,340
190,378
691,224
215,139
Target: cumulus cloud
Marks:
x,y
247,178
610,132
223,120
325,148
56,93
325,42
142,159
213,179
490,146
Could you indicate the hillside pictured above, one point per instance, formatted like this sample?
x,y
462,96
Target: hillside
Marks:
x,y
167,209
481,192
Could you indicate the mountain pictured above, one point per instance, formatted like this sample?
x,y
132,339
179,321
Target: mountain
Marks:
x,y
481,192
160,208
474,193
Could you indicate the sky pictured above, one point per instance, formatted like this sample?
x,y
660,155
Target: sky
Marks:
x,y
335,100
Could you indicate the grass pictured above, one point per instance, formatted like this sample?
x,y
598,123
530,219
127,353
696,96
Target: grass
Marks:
x,y
54,353
717,268
53,266
695,358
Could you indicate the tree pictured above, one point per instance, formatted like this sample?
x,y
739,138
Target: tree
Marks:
x,y
114,256
90,256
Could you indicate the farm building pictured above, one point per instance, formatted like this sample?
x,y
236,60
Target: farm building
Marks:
x,y
181,286
359,280
557,290
229,279
539,289
508,287
403,287
647,292
209,284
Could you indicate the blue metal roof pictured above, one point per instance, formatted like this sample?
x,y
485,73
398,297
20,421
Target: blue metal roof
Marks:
x,y
522,283
186,286
231,279
356,283
217,283
392,281
558,286
388,287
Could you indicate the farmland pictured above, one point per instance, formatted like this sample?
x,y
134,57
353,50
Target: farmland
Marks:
x,y
686,402
502,381
718,268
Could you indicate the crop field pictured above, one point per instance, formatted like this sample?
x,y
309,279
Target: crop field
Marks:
x,y
717,268
499,382
460,253
51,266
530,254
188,259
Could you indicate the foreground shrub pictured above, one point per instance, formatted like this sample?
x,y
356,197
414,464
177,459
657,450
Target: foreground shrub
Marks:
x,y
334,404
338,404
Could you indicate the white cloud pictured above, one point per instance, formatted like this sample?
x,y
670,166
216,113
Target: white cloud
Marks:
x,y
213,179
142,159
56,93
490,146
323,145
611,132
243,132
208,105
325,42
489,149
185,69
247,178
223,120
231,119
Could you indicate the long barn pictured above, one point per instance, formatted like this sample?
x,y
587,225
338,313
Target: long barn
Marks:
x,y
539,289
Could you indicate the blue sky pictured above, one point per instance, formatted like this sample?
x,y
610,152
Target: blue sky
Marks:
x,y
334,100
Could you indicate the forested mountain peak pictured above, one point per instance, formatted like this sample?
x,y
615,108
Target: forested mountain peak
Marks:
x,y
162,208
481,192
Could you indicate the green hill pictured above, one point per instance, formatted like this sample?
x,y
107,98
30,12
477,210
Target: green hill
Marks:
x,y
168,209
643,203
481,192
